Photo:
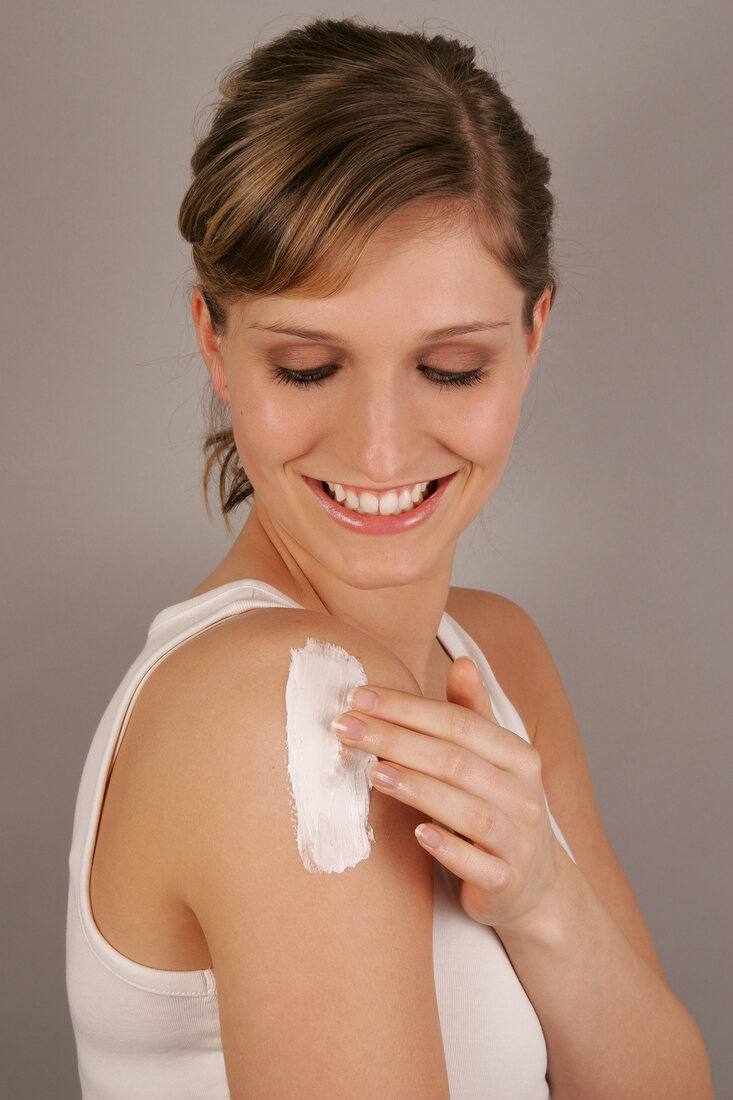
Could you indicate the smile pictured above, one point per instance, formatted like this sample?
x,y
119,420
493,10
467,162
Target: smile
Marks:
x,y
389,502
387,512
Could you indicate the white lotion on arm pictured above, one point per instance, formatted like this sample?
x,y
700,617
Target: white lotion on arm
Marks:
x,y
328,781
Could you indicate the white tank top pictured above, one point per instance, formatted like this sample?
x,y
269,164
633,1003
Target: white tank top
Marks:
x,y
154,1034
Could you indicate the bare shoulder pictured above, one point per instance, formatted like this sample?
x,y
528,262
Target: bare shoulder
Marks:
x,y
526,670
209,696
214,716
315,972
244,659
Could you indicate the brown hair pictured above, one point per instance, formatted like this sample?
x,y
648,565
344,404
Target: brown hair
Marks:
x,y
322,134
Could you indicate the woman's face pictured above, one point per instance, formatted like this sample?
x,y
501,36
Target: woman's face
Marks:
x,y
413,373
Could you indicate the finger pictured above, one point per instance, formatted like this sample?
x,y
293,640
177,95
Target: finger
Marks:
x,y
465,687
450,721
486,872
472,817
453,764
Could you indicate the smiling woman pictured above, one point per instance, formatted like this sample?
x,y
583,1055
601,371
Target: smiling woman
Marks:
x,y
319,849
319,138
388,388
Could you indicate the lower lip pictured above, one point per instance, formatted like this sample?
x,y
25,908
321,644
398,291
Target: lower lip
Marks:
x,y
378,525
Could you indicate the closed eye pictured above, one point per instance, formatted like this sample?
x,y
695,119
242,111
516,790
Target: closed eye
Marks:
x,y
444,378
318,375
304,378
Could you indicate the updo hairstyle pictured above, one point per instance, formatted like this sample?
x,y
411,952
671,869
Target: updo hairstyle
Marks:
x,y
319,137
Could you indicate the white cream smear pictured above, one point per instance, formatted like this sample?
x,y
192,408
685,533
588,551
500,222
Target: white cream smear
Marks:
x,y
328,781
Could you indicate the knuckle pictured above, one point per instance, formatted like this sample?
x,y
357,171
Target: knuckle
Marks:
x,y
459,722
483,821
532,811
532,762
501,878
485,881
456,765
493,878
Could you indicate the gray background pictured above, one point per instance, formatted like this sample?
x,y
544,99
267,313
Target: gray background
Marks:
x,y
612,524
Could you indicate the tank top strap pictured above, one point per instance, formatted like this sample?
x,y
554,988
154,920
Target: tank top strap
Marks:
x,y
458,643
199,612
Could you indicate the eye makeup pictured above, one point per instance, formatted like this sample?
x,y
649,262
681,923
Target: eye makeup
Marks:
x,y
317,375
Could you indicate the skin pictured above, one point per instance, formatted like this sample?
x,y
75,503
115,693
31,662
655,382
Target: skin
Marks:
x,y
353,429
574,932
481,780
377,423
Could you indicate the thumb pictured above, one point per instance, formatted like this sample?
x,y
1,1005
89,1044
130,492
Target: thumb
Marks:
x,y
465,687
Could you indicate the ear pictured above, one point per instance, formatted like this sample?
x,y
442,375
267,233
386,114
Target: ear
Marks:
x,y
534,339
209,341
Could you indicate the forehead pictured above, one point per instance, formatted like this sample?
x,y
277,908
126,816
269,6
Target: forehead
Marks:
x,y
427,267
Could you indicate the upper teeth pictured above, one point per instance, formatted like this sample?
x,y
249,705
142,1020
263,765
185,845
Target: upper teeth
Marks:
x,y
390,503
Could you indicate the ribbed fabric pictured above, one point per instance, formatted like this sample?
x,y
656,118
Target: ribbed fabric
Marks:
x,y
154,1034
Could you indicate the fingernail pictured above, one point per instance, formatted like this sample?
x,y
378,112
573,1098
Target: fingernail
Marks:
x,y
465,657
383,775
362,699
352,728
428,836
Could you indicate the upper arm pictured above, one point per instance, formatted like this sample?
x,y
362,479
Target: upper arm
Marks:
x,y
524,667
325,981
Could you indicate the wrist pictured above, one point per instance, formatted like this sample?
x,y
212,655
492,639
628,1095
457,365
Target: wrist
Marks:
x,y
554,920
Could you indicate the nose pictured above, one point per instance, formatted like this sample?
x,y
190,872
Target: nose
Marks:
x,y
379,431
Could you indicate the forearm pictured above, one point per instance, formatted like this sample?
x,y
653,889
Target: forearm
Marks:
x,y
612,1025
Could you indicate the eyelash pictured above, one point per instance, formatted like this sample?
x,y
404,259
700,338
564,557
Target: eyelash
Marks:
x,y
442,379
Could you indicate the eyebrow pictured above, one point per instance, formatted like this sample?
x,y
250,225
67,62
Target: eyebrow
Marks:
x,y
445,333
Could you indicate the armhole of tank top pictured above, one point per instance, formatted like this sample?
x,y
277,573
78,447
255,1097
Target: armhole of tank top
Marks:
x,y
190,983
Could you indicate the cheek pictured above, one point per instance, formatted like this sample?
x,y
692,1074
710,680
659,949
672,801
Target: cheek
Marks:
x,y
270,430
487,430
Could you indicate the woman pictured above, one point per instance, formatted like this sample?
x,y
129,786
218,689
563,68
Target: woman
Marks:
x,y
371,226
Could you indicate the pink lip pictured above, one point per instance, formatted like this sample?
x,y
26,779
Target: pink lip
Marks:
x,y
378,525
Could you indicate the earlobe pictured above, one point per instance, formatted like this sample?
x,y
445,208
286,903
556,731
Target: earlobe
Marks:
x,y
209,341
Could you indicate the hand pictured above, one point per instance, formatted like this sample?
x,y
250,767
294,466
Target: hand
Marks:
x,y
453,762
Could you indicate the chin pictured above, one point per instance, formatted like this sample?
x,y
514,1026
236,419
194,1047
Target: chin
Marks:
x,y
363,562
374,572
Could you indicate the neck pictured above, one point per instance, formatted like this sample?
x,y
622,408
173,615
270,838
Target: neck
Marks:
x,y
403,618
